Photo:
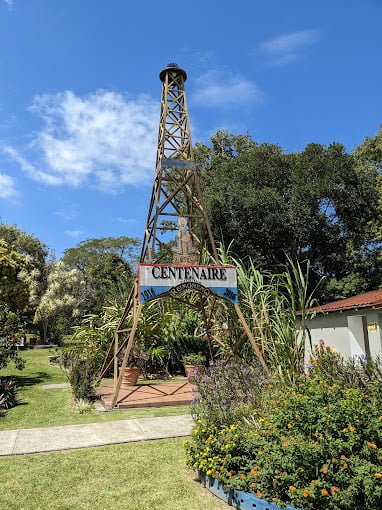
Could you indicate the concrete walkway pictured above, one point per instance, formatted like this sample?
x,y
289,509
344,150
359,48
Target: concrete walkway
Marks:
x,y
48,439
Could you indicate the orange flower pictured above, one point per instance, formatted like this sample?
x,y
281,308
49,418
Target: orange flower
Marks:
x,y
306,493
292,488
334,489
325,470
242,477
254,485
253,472
372,445
324,492
345,465
379,457
285,443
259,494
343,457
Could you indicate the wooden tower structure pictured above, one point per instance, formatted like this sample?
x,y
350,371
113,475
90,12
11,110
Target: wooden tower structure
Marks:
x,y
176,205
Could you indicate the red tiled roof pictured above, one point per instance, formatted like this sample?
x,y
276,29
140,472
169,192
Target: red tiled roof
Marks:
x,y
366,300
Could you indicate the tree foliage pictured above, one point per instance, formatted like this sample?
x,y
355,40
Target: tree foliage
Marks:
x,y
101,264
319,204
61,301
30,282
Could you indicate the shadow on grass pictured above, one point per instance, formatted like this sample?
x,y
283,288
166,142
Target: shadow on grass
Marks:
x,y
23,381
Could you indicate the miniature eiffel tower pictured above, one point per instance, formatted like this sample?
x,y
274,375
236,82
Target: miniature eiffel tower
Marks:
x,y
176,205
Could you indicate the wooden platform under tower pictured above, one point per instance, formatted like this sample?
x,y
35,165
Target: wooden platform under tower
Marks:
x,y
149,395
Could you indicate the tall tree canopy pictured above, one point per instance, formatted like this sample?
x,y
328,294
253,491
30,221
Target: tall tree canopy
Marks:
x,y
101,264
320,204
29,281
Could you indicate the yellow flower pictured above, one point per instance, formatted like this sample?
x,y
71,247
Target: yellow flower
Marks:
x,y
324,492
292,488
259,494
290,426
378,475
260,452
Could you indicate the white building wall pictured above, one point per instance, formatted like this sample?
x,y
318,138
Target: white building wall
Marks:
x,y
344,331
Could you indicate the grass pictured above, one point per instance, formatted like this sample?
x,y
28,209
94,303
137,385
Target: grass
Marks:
x,y
44,408
138,476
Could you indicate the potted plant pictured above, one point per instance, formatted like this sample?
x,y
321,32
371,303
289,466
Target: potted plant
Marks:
x,y
134,368
194,363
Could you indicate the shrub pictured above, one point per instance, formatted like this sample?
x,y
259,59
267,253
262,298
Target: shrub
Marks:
x,y
227,391
316,444
197,359
8,394
82,377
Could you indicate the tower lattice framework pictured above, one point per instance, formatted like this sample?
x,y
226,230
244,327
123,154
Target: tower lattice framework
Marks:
x,y
176,194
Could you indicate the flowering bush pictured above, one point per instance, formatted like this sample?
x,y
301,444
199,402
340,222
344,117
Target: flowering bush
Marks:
x,y
314,445
227,391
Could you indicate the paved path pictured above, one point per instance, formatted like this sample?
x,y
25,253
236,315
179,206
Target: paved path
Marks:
x,y
48,439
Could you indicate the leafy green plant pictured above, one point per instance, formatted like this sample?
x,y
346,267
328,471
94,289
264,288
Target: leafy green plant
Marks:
x,y
82,375
197,359
315,445
227,391
83,406
8,394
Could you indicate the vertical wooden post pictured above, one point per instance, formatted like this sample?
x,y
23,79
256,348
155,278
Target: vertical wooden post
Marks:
x,y
137,309
116,336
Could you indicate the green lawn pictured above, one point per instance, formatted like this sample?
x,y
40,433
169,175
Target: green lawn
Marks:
x,y
136,476
44,408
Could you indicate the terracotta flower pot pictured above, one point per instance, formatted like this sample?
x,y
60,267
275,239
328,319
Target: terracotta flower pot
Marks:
x,y
130,376
192,370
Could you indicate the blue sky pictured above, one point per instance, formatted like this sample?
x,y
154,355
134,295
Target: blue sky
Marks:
x,y
79,95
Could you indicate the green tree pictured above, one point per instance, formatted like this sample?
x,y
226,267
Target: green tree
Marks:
x,y
60,303
317,204
101,263
10,325
14,291
33,271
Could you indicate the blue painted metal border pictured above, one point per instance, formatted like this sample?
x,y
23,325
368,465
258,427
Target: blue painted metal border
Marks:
x,y
238,499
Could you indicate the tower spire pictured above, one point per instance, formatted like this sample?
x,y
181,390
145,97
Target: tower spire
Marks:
x,y
176,190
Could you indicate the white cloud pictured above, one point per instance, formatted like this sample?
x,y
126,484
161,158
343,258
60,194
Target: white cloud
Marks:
x,y
68,212
104,139
127,220
216,89
73,233
7,187
286,48
9,3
